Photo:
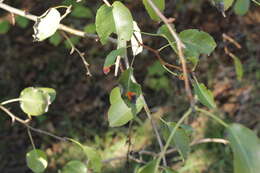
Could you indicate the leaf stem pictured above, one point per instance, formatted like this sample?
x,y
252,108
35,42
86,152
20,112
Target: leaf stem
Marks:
x,y
216,118
10,101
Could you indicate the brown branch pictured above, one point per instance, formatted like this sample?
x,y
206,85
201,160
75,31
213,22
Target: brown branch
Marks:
x,y
231,40
180,45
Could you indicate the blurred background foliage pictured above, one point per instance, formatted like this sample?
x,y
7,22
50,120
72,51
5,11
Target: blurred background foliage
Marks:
x,y
80,109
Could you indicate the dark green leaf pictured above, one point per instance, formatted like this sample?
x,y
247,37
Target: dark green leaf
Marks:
x,y
90,28
241,7
34,101
159,3
148,168
36,160
205,96
80,11
180,139
4,27
55,39
246,149
75,166
123,21
197,42
74,40
21,21
104,23
111,58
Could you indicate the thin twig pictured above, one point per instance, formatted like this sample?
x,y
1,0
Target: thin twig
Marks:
x,y
25,123
180,45
73,48
231,40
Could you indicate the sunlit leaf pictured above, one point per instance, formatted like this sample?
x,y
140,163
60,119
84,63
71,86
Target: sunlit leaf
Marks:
x,y
241,7
90,28
169,170
159,3
104,23
123,21
47,24
74,166
36,160
228,4
136,39
246,149
34,101
119,113
50,91
205,96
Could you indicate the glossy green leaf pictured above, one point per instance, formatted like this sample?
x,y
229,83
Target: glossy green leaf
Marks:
x,y
241,7
148,168
123,21
55,39
111,58
180,140
36,160
50,91
119,113
4,27
94,158
104,23
21,21
238,67
34,101
80,11
205,96
90,28
74,166
159,3
197,42
246,149
228,4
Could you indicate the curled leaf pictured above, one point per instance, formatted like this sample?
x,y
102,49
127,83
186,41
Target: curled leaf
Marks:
x,y
47,24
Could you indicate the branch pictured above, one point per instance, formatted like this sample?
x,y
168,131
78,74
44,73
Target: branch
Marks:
x,y
61,26
180,45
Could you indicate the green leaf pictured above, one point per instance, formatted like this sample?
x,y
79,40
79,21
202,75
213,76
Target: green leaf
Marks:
x,y
50,91
241,7
75,166
80,11
164,32
34,101
159,3
246,149
55,39
205,96
4,27
180,139
119,113
104,23
123,21
156,69
90,28
169,170
111,58
197,42
228,4
74,40
148,168
22,21
94,158
36,160
238,67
